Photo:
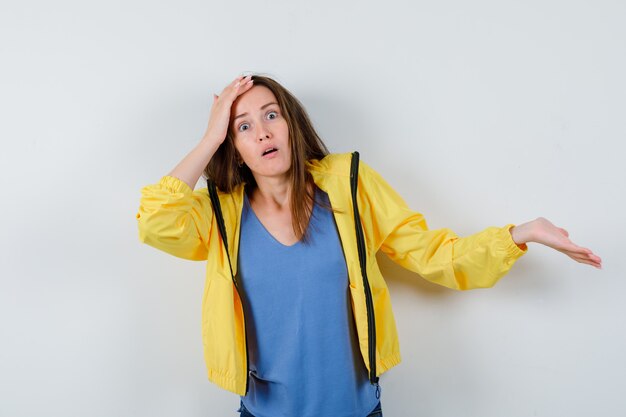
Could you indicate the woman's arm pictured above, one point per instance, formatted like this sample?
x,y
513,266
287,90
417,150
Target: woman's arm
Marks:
x,y
172,216
542,231
191,167
439,255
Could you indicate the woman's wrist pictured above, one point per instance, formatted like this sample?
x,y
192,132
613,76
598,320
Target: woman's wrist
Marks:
x,y
522,233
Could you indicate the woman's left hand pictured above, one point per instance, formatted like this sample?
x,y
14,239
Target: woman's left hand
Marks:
x,y
541,230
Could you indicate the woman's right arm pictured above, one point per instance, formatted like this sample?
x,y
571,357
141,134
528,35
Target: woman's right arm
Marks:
x,y
172,217
191,167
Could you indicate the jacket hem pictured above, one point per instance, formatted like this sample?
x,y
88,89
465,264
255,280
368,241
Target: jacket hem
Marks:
x,y
387,363
227,382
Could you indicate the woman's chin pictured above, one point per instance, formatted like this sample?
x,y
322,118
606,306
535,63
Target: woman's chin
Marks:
x,y
270,172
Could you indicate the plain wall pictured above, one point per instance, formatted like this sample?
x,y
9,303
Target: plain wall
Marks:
x,y
478,113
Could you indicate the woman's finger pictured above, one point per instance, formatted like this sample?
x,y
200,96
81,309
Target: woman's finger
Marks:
x,y
590,259
242,85
569,246
594,258
585,260
231,85
583,254
246,85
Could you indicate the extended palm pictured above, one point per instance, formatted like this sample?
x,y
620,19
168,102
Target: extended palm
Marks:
x,y
546,233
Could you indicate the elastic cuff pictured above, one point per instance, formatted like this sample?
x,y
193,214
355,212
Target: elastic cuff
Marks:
x,y
175,185
513,249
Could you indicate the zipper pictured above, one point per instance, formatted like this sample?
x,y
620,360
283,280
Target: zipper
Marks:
x,y
371,325
217,209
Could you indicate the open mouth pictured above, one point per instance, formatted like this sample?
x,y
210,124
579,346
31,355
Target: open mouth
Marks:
x,y
269,151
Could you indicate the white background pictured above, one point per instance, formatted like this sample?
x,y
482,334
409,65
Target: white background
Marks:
x,y
478,113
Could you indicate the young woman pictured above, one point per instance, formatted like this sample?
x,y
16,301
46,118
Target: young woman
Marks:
x,y
290,321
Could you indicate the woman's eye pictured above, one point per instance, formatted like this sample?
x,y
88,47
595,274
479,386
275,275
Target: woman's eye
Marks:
x,y
245,126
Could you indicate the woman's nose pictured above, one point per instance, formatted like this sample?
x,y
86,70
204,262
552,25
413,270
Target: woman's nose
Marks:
x,y
263,133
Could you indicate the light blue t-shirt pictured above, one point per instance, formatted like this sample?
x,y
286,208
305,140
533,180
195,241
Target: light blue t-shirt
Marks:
x,y
303,352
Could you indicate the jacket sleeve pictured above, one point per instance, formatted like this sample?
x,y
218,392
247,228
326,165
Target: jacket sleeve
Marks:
x,y
440,256
175,219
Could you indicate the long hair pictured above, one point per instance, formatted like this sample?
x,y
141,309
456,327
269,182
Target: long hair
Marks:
x,y
305,145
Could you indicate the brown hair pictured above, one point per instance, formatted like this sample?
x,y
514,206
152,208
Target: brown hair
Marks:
x,y
305,145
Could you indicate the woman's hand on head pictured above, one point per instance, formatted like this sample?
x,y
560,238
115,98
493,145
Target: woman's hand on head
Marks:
x,y
541,230
220,110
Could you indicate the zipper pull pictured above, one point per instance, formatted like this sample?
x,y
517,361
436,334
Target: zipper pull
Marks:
x,y
377,390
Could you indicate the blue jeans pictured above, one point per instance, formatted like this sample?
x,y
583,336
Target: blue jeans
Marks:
x,y
376,412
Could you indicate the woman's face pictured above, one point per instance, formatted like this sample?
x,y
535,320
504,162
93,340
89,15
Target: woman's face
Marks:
x,y
258,125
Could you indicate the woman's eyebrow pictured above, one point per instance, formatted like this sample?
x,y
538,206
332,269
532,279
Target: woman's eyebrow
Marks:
x,y
262,107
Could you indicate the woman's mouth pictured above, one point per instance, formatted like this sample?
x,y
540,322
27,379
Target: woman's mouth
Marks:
x,y
269,153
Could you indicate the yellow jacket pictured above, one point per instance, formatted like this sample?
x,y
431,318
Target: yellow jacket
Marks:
x,y
178,220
